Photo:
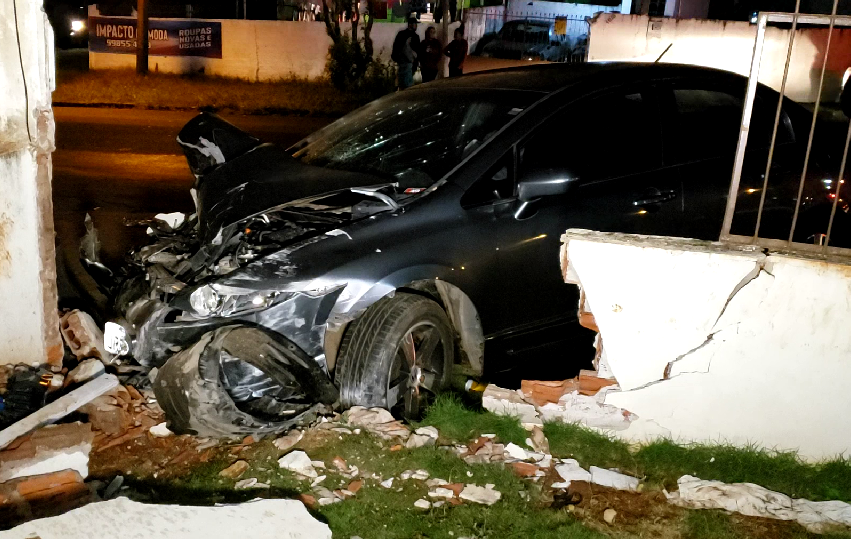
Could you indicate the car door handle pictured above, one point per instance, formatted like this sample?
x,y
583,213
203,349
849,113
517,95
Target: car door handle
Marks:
x,y
656,198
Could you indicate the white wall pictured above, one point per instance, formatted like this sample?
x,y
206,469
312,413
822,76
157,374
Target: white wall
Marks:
x,y
715,344
262,51
725,45
29,332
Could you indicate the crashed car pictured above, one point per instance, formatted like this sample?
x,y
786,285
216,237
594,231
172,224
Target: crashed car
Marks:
x,y
370,261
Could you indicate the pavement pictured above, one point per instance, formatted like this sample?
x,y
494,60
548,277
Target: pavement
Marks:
x,y
118,164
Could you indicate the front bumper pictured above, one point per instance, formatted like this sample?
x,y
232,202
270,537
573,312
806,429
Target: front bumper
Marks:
x,y
301,318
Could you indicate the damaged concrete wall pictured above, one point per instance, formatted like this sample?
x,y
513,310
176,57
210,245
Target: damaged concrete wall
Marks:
x,y
30,329
725,45
717,344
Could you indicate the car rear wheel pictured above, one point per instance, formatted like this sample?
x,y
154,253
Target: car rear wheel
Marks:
x,y
397,356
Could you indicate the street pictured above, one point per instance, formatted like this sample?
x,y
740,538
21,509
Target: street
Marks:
x,y
118,164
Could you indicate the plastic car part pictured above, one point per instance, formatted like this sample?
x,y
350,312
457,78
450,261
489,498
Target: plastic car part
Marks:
x,y
240,380
397,355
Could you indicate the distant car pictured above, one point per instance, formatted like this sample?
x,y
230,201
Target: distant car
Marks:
x,y
420,234
529,40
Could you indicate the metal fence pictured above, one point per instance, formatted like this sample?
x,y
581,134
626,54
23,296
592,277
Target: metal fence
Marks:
x,y
820,223
521,35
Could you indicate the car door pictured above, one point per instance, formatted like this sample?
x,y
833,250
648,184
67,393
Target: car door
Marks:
x,y
701,121
611,144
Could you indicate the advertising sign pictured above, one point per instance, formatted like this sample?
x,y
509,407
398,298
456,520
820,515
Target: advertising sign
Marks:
x,y
165,37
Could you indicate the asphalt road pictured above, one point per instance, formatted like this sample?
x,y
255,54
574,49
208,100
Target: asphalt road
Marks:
x,y
118,164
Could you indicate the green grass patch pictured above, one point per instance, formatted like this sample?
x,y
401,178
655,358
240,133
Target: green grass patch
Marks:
x,y
709,525
462,421
168,91
377,512
663,462
590,448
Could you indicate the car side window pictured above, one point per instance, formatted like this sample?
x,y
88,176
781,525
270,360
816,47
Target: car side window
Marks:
x,y
704,124
497,184
601,138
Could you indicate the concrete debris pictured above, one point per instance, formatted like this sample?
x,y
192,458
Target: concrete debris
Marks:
x,y
609,515
388,483
756,501
540,392
47,450
538,441
422,504
506,402
86,370
420,475
440,492
570,470
340,464
41,496
160,430
431,432
613,479
318,464
250,482
436,482
113,487
59,408
235,470
355,486
377,421
419,440
83,336
366,417
298,462
484,495
260,518
287,442
587,410
318,480
515,451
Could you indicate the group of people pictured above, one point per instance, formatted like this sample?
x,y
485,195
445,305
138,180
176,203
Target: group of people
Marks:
x,y
409,52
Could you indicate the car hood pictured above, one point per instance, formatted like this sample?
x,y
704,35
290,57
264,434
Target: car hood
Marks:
x,y
237,176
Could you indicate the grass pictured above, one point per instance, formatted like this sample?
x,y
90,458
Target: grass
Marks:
x,y
462,421
660,463
166,91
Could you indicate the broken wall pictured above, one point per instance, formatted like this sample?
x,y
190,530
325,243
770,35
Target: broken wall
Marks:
x,y
711,343
29,332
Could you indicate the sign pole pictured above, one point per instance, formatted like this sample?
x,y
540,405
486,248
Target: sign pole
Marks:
x,y
141,37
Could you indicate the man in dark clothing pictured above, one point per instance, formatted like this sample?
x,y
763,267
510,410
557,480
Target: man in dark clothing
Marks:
x,y
429,55
457,52
404,53
438,10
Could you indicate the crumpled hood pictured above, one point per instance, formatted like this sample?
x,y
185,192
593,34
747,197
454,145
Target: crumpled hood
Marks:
x,y
237,177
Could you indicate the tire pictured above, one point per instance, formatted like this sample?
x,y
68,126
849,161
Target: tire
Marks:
x,y
190,387
374,366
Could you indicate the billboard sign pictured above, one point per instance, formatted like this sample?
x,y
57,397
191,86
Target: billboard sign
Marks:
x,y
165,37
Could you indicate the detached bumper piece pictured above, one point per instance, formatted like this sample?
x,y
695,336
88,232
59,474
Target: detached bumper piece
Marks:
x,y
239,380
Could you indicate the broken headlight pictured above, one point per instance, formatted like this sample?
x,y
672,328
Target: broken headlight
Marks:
x,y
206,302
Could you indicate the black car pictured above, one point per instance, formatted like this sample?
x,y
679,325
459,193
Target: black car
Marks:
x,y
420,234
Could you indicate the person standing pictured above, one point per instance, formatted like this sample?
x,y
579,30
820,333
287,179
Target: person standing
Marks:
x,y
404,53
429,55
457,52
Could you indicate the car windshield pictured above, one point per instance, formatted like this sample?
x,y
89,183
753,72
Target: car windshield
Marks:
x,y
414,137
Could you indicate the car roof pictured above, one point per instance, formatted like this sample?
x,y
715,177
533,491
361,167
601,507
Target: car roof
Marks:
x,y
548,78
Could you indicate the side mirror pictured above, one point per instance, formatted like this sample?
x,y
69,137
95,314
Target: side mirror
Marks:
x,y
543,184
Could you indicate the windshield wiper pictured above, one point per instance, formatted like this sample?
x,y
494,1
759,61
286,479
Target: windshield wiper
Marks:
x,y
375,192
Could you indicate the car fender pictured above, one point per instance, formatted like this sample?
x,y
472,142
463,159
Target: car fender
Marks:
x,y
432,279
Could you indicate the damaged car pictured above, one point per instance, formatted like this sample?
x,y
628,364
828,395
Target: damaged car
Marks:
x,y
372,260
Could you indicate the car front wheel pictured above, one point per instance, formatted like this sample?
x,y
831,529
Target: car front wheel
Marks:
x,y
398,355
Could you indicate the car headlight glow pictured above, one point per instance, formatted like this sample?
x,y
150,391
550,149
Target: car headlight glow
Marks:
x,y
76,26
206,301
